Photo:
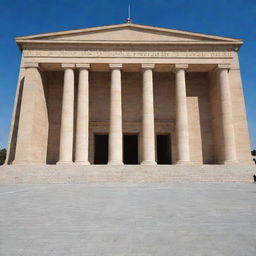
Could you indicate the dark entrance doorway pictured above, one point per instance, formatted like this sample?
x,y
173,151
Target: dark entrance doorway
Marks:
x,y
130,149
164,149
100,149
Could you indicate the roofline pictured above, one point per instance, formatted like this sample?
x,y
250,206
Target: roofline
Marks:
x,y
20,42
128,25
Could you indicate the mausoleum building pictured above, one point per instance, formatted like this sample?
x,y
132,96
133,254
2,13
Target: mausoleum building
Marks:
x,y
129,94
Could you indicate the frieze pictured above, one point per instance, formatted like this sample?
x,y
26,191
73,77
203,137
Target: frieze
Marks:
x,y
102,53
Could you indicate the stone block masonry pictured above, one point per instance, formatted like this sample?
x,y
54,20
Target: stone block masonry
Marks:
x,y
126,174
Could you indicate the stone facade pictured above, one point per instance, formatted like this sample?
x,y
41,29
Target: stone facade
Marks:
x,y
129,80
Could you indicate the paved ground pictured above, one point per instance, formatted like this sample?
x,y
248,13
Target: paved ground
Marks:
x,y
128,220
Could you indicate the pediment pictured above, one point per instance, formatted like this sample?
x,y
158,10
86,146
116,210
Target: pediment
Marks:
x,y
127,33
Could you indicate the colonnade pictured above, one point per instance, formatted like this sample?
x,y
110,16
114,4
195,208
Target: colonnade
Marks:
x,y
148,130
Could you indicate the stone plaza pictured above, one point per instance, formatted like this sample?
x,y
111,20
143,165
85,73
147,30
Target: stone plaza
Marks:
x,y
128,220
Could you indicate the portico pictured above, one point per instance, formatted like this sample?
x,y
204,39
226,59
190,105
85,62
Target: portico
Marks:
x,y
143,90
115,149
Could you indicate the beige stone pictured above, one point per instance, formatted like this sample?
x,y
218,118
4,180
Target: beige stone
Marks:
x,y
227,116
115,147
67,117
148,126
183,85
82,124
31,144
182,133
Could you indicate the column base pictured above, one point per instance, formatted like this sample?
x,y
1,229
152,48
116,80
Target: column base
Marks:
x,y
230,162
183,162
114,162
77,162
19,162
15,162
148,162
64,163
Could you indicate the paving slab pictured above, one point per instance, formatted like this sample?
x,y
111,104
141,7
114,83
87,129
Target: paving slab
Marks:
x,y
128,220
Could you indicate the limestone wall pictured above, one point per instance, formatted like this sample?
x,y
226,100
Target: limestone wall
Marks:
x,y
200,118
31,145
239,118
40,114
200,129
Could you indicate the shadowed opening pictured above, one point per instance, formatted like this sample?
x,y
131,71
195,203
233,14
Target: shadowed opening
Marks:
x,y
130,149
164,149
100,149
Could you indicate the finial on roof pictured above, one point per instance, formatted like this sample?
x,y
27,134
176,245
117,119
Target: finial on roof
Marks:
x,y
129,20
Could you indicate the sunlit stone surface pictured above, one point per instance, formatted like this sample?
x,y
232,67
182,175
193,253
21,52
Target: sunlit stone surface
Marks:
x,y
178,95
129,220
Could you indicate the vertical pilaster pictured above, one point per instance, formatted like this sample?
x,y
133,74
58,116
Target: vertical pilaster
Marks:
x,y
82,122
115,148
33,124
67,116
182,134
148,127
226,115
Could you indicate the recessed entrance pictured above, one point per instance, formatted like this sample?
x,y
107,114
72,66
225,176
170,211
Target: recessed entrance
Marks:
x,y
100,149
130,149
164,149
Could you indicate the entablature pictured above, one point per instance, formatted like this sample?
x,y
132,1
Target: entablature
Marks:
x,y
126,67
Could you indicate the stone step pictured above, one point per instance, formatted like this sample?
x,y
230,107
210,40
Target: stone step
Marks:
x,y
126,174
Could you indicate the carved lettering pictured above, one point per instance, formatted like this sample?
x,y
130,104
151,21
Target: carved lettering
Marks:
x,y
104,53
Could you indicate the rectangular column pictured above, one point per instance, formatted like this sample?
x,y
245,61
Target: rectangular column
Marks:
x,y
182,134
82,122
115,148
33,124
148,127
67,116
226,115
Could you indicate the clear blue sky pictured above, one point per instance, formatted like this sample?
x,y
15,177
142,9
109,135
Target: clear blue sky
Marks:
x,y
230,18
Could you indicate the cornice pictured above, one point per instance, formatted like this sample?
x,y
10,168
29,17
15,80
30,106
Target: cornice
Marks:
x,y
130,25
56,38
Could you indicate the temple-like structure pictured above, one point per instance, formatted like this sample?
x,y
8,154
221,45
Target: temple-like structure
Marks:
x,y
129,94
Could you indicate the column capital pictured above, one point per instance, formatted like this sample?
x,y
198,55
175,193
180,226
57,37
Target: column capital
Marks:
x,y
180,66
223,66
83,66
30,65
115,66
147,66
67,65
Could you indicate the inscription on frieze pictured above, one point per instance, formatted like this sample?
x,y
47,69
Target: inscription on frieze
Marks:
x,y
102,53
